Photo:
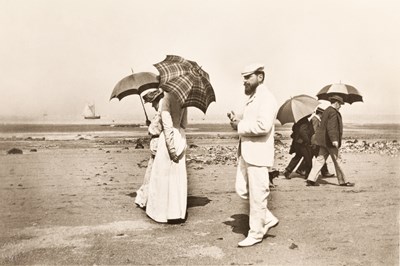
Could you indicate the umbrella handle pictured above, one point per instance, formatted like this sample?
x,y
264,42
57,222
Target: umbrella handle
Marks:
x,y
144,109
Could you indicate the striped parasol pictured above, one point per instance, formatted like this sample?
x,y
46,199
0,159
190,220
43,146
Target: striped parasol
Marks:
x,y
297,107
347,92
186,81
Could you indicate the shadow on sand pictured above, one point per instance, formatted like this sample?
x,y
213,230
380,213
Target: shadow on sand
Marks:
x,y
194,201
240,224
324,182
132,194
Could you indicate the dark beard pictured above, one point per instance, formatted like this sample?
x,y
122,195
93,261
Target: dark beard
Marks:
x,y
250,89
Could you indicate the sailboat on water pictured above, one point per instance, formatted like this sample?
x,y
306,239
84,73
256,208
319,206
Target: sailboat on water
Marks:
x,y
90,112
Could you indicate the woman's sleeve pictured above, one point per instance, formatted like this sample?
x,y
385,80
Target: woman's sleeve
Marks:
x,y
167,124
184,118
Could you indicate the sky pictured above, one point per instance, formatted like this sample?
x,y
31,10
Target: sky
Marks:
x,y
58,55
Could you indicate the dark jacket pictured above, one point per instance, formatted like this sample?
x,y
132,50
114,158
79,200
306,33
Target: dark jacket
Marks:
x,y
302,132
330,129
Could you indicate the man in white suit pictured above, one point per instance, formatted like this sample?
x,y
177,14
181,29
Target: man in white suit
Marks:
x,y
256,152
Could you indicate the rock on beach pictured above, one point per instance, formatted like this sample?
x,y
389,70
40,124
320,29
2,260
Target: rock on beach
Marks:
x,y
15,151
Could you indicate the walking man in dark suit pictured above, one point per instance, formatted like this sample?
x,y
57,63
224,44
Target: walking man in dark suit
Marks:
x,y
329,138
315,120
301,146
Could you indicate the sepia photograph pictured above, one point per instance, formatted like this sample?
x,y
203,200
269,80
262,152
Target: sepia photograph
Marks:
x,y
188,132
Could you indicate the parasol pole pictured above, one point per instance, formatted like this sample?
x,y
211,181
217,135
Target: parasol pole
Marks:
x,y
144,109
147,119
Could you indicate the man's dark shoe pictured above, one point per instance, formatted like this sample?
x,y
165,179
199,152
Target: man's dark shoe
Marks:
x,y
272,175
327,174
286,173
310,183
347,184
302,173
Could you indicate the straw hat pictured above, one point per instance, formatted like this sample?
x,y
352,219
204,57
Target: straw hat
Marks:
x,y
153,96
250,69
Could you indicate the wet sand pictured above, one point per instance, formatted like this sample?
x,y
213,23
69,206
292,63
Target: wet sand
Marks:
x,y
71,201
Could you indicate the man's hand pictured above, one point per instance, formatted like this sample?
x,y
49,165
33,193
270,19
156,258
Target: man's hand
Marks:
x,y
231,115
335,144
234,121
148,122
234,124
174,157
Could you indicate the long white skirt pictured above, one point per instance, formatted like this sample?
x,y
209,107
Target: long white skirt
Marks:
x,y
167,197
142,193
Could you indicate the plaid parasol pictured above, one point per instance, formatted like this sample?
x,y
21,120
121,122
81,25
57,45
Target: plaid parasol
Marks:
x,y
187,81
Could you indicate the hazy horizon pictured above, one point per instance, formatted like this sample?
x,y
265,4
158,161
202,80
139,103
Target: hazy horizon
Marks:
x,y
130,119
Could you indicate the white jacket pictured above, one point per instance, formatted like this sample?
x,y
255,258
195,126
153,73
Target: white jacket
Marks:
x,y
256,129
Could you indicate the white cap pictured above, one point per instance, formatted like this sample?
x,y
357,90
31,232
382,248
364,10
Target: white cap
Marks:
x,y
250,69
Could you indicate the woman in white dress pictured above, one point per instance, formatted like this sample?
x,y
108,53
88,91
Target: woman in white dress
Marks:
x,y
155,128
167,195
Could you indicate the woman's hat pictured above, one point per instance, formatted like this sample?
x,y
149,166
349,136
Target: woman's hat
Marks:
x,y
153,96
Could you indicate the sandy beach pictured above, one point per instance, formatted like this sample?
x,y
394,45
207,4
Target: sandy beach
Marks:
x,y
69,199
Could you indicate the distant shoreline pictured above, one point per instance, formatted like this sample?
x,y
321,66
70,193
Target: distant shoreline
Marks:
x,y
195,118
202,127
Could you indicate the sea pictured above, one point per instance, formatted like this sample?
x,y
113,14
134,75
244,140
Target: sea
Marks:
x,y
95,129
72,128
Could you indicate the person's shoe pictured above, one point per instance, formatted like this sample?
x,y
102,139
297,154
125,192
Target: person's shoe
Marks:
x,y
272,175
286,173
249,241
302,173
270,224
347,184
311,183
327,174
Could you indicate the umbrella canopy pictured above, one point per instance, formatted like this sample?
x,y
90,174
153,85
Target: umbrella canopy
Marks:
x,y
296,108
347,92
135,84
187,81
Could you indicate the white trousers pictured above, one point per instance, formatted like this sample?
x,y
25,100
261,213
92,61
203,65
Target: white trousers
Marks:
x,y
252,183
